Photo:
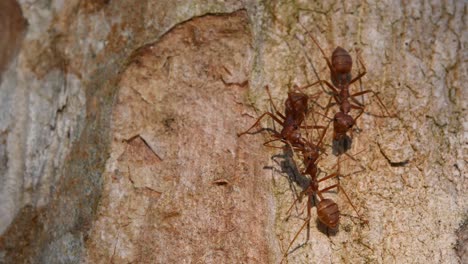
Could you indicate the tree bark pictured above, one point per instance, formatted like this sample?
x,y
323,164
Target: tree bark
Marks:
x,y
119,133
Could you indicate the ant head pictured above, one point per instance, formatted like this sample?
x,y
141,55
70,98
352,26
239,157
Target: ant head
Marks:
x,y
310,153
341,60
328,213
291,133
297,102
311,156
342,122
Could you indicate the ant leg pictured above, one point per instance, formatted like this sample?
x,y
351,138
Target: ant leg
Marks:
x,y
306,127
378,98
309,208
339,173
329,105
316,127
360,112
258,121
357,107
266,144
335,96
329,64
306,223
312,127
358,51
319,193
325,128
334,90
313,96
350,156
360,75
273,103
294,239
361,93
320,48
325,116
359,115
338,178
347,198
323,135
356,101
299,198
333,175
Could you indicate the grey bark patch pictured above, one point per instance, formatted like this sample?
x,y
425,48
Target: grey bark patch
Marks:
x,y
462,242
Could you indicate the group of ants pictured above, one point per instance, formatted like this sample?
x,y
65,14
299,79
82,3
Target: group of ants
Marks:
x,y
293,122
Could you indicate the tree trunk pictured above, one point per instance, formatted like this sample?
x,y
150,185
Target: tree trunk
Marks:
x,y
118,132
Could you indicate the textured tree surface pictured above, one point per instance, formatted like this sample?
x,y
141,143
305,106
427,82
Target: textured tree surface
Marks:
x,y
119,118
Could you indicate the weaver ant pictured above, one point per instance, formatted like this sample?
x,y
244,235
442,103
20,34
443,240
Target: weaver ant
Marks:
x,y
340,74
296,108
327,210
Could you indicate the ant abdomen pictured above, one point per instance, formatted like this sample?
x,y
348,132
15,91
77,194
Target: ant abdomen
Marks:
x,y
328,213
342,64
341,60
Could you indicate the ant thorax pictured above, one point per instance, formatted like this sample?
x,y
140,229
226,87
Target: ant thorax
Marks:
x,y
296,104
339,80
345,107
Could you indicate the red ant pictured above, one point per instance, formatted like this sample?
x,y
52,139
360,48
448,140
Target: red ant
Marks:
x,y
340,75
327,210
296,108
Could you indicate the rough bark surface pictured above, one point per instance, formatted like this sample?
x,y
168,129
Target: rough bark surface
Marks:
x,y
179,185
119,118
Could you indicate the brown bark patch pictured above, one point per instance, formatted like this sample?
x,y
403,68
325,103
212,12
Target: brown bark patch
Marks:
x,y
12,28
181,97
